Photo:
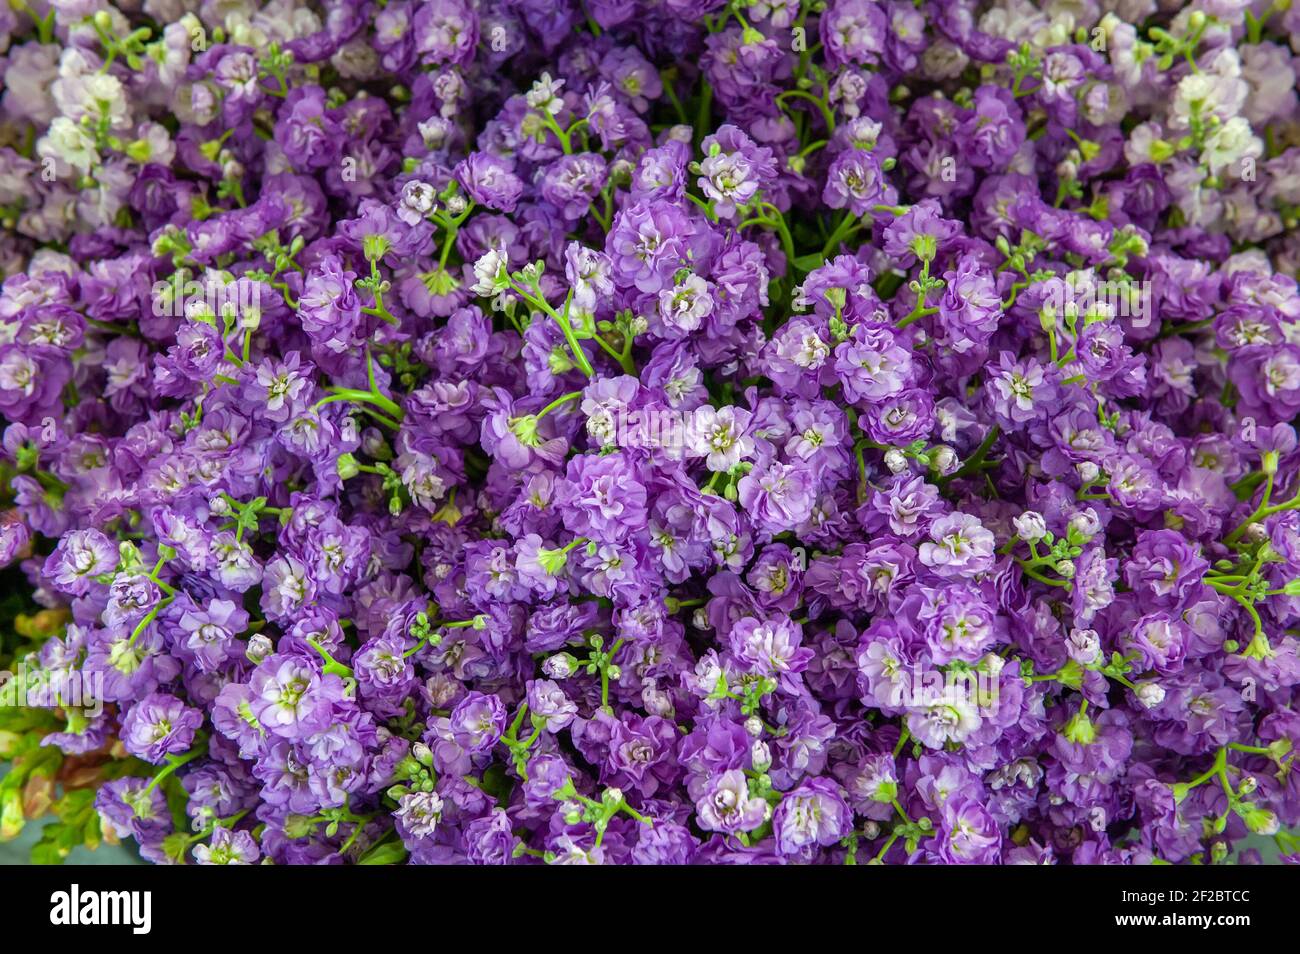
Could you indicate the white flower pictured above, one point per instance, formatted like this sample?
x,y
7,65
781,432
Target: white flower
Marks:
x,y
1150,694
490,270
1230,143
545,95
945,460
68,142
1030,526
719,436
417,201
106,97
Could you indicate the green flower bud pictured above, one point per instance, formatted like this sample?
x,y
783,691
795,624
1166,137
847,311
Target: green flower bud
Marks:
x,y
347,466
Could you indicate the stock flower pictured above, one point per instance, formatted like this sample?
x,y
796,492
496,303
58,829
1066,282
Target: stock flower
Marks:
x,y
228,848
209,633
79,557
813,814
727,805
769,648
159,725
853,182
329,308
959,545
968,836
657,435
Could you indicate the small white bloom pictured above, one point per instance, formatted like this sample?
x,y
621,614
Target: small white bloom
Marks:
x,y
1150,694
945,460
760,755
490,270
1030,526
545,95
1230,143
68,141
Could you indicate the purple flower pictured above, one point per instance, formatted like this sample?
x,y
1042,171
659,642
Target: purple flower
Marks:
x,y
769,647
871,365
601,497
478,721
815,813
854,31
329,308
648,243
228,847
159,725
959,546
490,181
967,834
1164,569
1160,642
854,181
209,633
727,806
548,703
290,699
79,557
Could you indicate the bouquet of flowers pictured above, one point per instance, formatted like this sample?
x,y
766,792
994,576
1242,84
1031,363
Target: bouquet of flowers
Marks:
x,y
652,431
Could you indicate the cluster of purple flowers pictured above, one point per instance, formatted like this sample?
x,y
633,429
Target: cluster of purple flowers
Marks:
x,y
672,431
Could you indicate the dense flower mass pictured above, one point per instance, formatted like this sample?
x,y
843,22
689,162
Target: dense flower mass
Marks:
x,y
652,431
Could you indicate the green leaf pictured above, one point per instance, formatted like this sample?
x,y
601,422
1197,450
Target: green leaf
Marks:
x,y
388,853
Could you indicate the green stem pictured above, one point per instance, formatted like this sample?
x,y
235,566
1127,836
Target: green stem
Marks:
x,y
175,762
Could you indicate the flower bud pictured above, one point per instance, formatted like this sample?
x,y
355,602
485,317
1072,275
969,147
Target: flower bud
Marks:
x,y
895,461
373,443
1030,526
347,467
298,826
560,666
1084,646
1261,821
944,460
1150,694
1086,524
258,648
760,755
657,702
1255,533
754,726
